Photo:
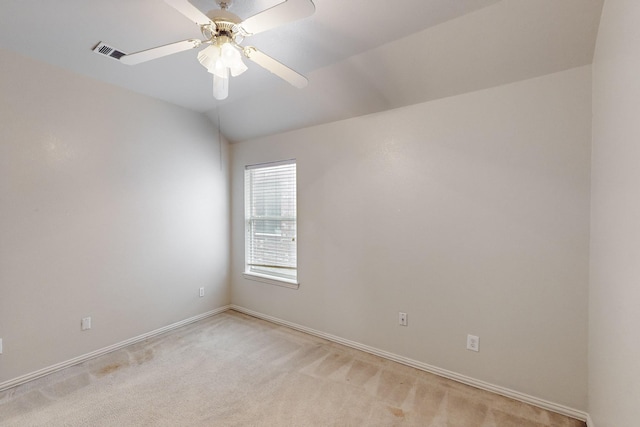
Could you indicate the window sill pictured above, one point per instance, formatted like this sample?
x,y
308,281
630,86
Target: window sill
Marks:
x,y
291,284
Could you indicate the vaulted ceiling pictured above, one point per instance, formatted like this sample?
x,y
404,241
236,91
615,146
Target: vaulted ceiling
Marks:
x,y
360,56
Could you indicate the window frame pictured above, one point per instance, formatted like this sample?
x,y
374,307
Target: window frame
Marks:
x,y
262,276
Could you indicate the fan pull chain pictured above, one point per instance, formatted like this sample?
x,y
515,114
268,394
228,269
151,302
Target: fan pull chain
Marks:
x,y
219,138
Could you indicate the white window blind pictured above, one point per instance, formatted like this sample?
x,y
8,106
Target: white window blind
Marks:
x,y
270,220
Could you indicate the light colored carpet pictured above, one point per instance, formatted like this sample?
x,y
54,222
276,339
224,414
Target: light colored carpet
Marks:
x,y
235,370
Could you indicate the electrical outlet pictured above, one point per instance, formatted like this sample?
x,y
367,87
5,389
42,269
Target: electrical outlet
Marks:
x,y
85,323
402,318
0,345
473,343
202,292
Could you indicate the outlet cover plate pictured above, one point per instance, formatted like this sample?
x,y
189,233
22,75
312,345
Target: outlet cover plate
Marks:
x,y
85,323
473,343
402,318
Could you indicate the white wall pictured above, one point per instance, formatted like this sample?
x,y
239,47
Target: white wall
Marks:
x,y
112,205
614,298
470,213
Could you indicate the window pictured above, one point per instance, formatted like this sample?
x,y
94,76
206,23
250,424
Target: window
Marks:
x,y
270,223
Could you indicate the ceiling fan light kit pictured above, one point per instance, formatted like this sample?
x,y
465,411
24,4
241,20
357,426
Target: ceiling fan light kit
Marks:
x,y
222,61
223,32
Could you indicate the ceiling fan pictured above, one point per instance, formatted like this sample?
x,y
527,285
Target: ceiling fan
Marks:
x,y
223,32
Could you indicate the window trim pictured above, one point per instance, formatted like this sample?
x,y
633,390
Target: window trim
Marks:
x,y
272,280
256,276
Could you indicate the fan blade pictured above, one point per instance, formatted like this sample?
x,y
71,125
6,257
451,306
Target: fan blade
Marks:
x,y
158,52
277,68
282,13
189,10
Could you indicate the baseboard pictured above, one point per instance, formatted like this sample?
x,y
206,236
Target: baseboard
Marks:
x,y
541,403
76,360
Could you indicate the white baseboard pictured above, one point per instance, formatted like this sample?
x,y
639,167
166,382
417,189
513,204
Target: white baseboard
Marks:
x,y
541,403
76,360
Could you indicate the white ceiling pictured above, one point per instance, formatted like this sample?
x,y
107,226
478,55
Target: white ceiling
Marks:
x,y
361,56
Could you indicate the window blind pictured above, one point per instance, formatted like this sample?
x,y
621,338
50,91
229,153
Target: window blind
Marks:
x,y
270,214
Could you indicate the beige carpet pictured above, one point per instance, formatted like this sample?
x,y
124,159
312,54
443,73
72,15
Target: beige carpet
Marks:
x,y
235,370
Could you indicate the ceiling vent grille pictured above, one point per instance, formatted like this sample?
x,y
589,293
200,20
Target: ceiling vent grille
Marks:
x,y
106,50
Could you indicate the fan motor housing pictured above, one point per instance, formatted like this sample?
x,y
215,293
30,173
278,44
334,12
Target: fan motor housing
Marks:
x,y
225,23
223,16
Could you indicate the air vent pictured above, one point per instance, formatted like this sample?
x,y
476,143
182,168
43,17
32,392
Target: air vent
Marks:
x,y
106,50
